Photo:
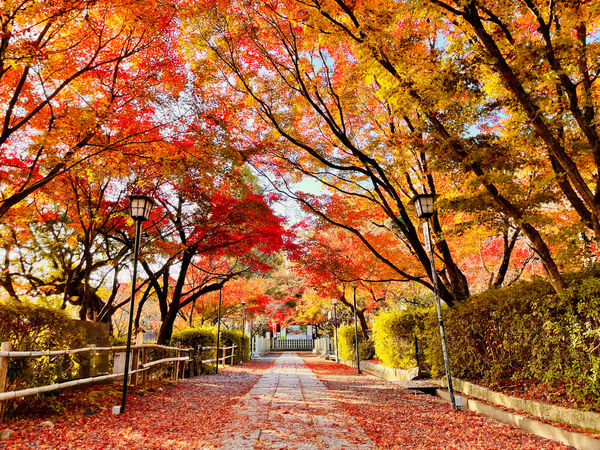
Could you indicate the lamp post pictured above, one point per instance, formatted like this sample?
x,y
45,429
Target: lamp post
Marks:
x,y
424,206
218,330
335,325
356,334
243,327
141,206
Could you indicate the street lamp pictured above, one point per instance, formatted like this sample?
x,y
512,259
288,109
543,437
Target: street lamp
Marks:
x,y
243,327
356,334
219,330
335,325
141,206
424,205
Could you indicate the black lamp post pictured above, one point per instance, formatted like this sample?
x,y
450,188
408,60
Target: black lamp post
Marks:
x,y
356,334
243,327
219,331
424,206
140,211
335,325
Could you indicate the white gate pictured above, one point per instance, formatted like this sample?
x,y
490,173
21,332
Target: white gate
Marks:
x,y
292,344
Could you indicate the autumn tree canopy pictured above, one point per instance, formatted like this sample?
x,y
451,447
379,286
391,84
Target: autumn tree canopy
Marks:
x,y
222,110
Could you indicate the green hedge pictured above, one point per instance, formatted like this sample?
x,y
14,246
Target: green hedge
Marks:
x,y
394,335
346,344
207,337
30,327
234,337
197,338
526,331
522,332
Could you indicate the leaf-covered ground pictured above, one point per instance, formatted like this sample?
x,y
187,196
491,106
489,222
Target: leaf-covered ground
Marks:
x,y
178,416
398,418
201,413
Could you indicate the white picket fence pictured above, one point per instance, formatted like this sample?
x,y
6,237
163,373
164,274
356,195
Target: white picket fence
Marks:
x,y
292,344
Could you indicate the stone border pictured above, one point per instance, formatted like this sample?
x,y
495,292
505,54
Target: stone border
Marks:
x,y
385,372
570,438
581,419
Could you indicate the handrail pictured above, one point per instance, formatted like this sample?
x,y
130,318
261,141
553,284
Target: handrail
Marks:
x,y
21,354
222,348
52,387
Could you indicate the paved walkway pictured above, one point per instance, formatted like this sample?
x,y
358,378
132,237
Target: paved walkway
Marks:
x,y
290,408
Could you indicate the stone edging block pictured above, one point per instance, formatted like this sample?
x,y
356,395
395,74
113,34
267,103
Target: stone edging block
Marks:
x,y
582,419
385,372
570,438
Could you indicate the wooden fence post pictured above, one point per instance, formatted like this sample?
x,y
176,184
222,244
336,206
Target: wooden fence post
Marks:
x,y
145,372
139,340
176,366
183,363
3,372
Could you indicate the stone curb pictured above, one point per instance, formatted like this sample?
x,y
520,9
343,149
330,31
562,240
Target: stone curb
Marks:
x,y
570,438
581,419
387,373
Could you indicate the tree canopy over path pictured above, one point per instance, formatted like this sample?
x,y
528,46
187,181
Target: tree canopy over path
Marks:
x,y
222,109
226,112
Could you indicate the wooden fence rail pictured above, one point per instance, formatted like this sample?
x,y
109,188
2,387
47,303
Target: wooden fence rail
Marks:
x,y
222,358
38,354
139,365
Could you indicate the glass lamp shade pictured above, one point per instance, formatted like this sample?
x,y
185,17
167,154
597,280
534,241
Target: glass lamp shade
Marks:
x,y
243,302
141,206
334,301
424,205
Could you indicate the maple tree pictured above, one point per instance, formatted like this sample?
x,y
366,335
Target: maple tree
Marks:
x,y
80,78
376,102
333,263
340,151
358,94
213,235
66,246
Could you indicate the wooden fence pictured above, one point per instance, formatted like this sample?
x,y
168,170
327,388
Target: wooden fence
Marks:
x,y
139,366
223,358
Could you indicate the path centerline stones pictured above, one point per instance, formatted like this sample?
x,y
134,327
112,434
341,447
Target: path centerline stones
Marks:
x,y
289,407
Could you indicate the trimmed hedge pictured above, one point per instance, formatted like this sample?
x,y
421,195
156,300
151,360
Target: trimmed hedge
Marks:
x,y
346,344
234,337
394,335
522,332
527,331
31,327
207,337
197,338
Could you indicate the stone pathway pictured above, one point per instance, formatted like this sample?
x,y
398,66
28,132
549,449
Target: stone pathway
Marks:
x,y
290,408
